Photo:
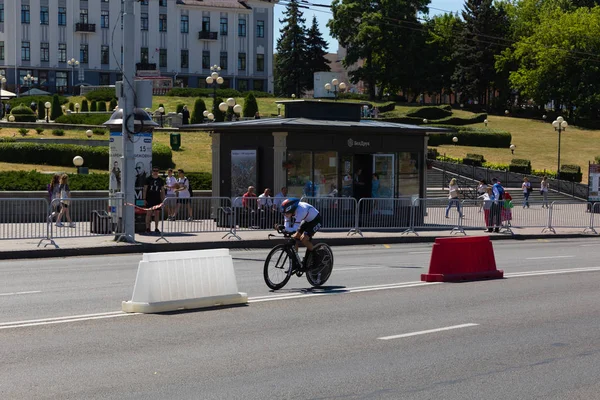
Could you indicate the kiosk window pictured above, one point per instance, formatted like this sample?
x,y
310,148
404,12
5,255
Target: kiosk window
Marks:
x,y
312,174
408,174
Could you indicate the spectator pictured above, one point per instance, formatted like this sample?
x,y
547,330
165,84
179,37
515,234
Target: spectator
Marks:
x,y
507,208
496,210
185,114
280,197
487,205
526,186
481,190
544,186
453,197
333,192
170,186
246,198
375,186
256,115
7,109
65,195
154,195
375,112
183,194
265,200
53,196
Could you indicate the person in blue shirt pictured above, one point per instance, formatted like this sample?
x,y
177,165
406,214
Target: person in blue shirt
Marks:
x,y
375,186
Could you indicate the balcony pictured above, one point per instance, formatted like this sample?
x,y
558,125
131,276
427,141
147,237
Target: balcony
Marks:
x,y
81,27
205,35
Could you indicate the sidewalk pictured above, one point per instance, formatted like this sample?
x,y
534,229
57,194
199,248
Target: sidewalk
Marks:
x,y
101,245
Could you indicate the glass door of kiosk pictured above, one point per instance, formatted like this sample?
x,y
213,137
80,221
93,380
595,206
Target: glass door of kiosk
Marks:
x,y
383,166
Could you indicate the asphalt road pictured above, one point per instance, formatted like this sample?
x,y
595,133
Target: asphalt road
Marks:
x,y
377,332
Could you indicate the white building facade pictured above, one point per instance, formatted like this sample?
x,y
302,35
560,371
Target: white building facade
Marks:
x,y
180,38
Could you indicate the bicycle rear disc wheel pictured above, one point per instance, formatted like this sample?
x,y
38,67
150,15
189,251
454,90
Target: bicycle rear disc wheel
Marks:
x,y
317,275
278,267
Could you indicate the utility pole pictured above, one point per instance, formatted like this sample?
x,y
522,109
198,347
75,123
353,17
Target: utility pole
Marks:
x,y
126,102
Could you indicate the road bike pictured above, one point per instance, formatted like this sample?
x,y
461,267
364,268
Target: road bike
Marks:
x,y
284,261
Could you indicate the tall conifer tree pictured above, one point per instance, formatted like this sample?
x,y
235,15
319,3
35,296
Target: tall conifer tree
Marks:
x,y
290,63
316,50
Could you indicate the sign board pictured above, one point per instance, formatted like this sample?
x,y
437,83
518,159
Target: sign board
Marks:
x,y
594,182
243,171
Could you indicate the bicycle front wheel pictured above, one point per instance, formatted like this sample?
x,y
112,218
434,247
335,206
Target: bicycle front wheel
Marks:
x,y
278,267
321,264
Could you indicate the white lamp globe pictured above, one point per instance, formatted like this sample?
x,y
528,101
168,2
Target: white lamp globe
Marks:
x,y
223,107
210,116
214,75
47,104
342,86
209,80
555,124
205,113
219,80
78,161
293,96
161,110
334,82
11,118
77,106
89,133
425,120
564,124
455,139
231,102
237,109
560,119
328,86
512,146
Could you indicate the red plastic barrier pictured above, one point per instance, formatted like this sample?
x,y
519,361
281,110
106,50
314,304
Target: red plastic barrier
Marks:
x,y
462,259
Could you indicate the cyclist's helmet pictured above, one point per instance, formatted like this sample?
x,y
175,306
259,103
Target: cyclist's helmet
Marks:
x,y
289,205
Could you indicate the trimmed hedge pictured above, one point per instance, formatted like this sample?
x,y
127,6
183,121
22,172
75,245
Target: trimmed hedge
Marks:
x,y
189,92
473,137
62,154
33,180
520,166
571,173
106,94
449,122
387,107
23,114
27,100
474,159
83,119
430,113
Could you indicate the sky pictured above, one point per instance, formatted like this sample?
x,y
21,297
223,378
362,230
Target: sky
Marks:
x,y
324,14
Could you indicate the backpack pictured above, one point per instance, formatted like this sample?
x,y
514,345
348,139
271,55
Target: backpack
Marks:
x,y
189,185
500,191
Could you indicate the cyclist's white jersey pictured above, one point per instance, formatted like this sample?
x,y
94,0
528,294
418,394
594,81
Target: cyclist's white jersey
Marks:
x,y
304,212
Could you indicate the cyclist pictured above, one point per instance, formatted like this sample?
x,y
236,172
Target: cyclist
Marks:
x,y
302,218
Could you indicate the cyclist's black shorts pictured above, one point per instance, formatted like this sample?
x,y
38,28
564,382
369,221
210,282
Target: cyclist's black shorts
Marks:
x,y
311,227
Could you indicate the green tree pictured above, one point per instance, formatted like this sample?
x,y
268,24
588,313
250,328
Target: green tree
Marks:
x,y
56,108
219,115
198,113
41,109
113,103
316,50
84,106
93,106
250,106
290,63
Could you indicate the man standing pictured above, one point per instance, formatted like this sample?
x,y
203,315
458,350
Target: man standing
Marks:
x,y
247,201
496,210
280,197
185,114
265,201
154,195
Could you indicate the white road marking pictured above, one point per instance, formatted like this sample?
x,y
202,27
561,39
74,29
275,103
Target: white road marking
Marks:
x,y
545,258
419,252
355,268
61,320
16,293
447,328
550,272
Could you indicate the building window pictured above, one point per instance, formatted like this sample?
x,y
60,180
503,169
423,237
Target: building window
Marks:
x,y
104,55
162,3
241,61
61,82
223,61
241,27
260,62
306,179
25,51
162,22
242,85
2,50
45,52
185,24
62,52
144,54
223,27
162,58
104,79
43,80
44,15
2,12
25,14
205,24
260,29
259,85
185,59
83,53
62,16
144,20
83,16
205,59
104,19
144,2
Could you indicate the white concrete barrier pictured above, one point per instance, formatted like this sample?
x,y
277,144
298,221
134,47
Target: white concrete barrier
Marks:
x,y
184,280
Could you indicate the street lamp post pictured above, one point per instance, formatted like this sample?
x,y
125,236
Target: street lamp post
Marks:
x,y
230,103
214,79
73,63
455,140
47,105
559,125
335,84
161,112
77,107
27,81
2,82
512,148
78,162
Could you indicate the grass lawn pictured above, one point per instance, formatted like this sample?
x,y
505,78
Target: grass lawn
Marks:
x,y
534,140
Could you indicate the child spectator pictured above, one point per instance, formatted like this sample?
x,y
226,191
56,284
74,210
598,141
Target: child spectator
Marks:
x,y
65,195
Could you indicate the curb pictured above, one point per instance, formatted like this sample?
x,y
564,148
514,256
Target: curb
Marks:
x,y
246,244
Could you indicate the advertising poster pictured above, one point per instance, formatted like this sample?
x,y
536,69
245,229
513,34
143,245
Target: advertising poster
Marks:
x,y
594,183
243,171
142,163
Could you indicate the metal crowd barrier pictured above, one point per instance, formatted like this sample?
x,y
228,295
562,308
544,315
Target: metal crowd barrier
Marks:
x,y
23,218
384,214
431,214
565,214
337,213
253,213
